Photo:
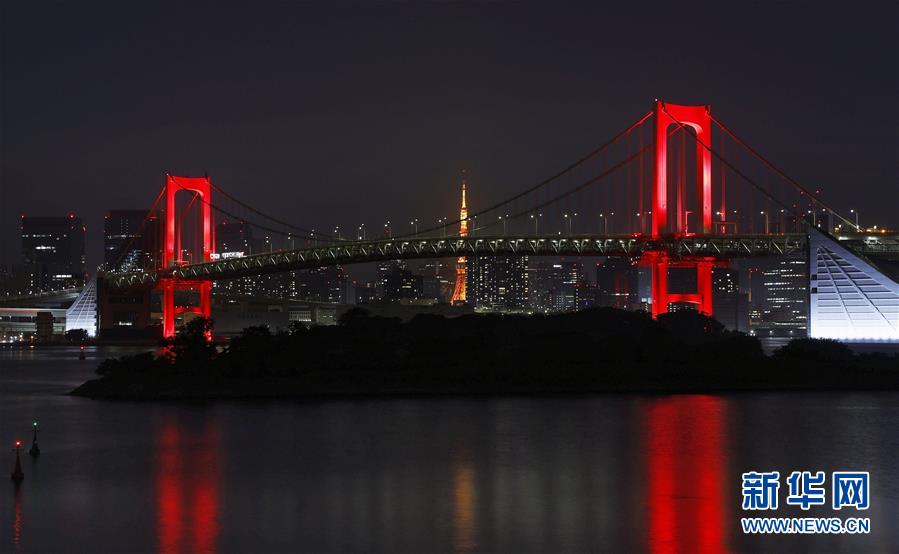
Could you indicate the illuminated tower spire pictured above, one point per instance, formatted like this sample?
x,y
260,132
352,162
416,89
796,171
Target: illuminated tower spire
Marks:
x,y
459,289
463,214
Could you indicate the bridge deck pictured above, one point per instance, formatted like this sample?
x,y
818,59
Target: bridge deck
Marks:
x,y
350,252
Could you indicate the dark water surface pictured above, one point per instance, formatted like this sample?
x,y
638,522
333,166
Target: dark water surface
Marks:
x,y
554,474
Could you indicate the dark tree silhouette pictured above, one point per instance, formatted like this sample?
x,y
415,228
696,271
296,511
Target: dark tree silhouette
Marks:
x,y
76,335
191,348
815,350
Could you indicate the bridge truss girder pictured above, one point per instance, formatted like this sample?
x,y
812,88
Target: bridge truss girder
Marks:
x,y
352,252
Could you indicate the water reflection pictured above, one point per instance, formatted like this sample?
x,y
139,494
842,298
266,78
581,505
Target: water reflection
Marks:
x,y
685,457
550,474
464,502
187,488
17,519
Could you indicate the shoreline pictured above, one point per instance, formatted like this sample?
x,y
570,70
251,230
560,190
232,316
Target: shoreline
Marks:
x,y
599,351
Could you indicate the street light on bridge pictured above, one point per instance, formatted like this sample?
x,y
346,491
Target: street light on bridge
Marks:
x,y
857,228
504,219
605,221
764,213
536,218
569,219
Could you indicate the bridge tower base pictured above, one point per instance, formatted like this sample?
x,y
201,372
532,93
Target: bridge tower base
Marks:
x,y
170,310
660,263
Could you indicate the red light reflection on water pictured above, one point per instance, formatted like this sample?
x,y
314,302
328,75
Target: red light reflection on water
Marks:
x,y
17,522
169,487
187,494
206,495
686,458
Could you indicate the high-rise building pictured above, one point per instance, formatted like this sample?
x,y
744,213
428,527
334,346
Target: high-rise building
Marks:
x,y
367,293
131,240
755,287
401,284
617,283
459,292
394,283
235,240
545,277
325,284
557,286
729,306
384,270
498,283
53,252
783,307
641,293
435,282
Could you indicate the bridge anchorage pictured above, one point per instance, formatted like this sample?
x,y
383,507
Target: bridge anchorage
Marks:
x,y
691,227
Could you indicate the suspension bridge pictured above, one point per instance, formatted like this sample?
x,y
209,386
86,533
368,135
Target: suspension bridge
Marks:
x,y
675,189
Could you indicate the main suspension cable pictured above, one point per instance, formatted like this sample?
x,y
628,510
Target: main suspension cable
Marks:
x,y
539,185
779,172
260,213
745,177
243,220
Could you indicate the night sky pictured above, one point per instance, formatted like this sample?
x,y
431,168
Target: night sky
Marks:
x,y
328,116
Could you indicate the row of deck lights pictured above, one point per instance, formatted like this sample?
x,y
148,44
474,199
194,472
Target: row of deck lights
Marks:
x,y
567,218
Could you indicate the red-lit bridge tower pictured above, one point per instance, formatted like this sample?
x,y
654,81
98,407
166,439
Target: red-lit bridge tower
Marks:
x,y
172,256
698,118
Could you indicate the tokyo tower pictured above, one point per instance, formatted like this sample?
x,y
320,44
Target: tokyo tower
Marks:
x,y
459,289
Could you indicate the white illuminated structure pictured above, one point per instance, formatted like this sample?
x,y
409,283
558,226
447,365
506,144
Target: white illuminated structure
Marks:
x,y
849,299
82,314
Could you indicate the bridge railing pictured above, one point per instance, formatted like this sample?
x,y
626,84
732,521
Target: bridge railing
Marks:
x,y
349,252
42,294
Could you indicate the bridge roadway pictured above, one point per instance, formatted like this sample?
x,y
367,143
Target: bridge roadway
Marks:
x,y
41,298
362,251
408,248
